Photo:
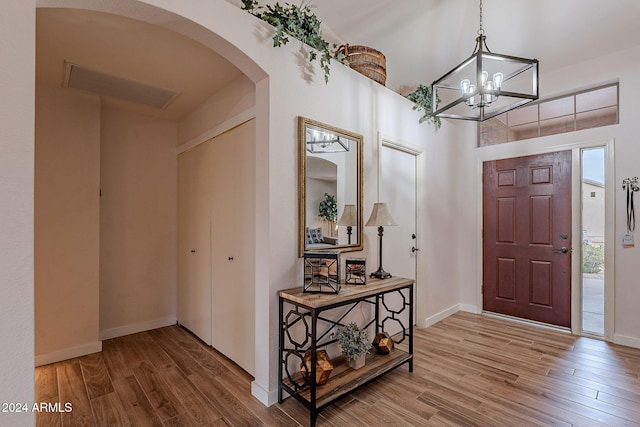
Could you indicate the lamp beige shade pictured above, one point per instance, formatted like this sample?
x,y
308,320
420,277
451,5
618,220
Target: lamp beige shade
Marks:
x,y
380,216
349,216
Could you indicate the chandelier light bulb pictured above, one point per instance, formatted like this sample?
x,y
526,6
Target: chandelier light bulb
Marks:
x,y
484,76
464,86
498,78
471,102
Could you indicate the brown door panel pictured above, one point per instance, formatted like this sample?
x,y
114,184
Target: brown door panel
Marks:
x,y
526,209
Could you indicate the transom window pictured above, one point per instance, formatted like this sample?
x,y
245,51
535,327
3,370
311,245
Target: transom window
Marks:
x,y
567,113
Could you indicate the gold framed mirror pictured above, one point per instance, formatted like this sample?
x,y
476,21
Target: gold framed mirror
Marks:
x,y
330,177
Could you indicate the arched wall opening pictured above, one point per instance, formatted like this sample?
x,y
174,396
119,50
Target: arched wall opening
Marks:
x,y
198,22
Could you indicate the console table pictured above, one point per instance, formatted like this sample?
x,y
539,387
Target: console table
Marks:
x,y
306,325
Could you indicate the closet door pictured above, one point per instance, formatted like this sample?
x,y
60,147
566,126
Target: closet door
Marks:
x,y
194,241
233,246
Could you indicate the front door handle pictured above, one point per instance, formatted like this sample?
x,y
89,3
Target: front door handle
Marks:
x,y
414,249
563,250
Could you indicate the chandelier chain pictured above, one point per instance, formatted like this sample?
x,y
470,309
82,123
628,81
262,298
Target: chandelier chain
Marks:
x,y
481,30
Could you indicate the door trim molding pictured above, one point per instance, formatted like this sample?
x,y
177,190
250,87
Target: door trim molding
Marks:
x,y
419,153
576,222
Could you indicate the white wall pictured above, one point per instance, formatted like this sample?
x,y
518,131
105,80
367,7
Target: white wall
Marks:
x,y
17,115
67,220
138,223
623,66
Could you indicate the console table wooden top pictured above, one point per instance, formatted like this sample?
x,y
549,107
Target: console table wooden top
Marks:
x,y
347,292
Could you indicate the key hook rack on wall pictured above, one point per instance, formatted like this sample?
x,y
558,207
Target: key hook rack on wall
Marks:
x,y
630,184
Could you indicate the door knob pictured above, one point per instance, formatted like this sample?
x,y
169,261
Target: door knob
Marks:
x,y
563,249
193,251
414,249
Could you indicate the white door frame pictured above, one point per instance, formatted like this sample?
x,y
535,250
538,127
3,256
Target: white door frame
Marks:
x,y
518,150
418,152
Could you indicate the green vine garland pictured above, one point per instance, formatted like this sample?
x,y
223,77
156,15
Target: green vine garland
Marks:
x,y
298,22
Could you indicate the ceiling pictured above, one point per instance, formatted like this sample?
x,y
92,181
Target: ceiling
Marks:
x,y
422,40
131,50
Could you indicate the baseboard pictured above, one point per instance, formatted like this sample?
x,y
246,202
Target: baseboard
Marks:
x,y
137,327
442,315
469,308
267,398
68,353
628,341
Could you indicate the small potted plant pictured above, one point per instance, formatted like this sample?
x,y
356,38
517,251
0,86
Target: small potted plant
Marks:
x,y
355,344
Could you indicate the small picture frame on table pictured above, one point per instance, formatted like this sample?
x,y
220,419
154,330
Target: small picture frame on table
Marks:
x,y
355,271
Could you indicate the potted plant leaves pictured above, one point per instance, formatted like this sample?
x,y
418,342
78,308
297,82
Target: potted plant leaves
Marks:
x,y
355,344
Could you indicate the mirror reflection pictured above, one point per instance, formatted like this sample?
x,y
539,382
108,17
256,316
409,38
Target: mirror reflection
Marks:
x,y
330,188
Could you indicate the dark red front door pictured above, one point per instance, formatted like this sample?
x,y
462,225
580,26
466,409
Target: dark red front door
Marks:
x,y
527,237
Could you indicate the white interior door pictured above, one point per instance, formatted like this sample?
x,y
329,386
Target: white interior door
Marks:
x,y
398,190
194,242
232,250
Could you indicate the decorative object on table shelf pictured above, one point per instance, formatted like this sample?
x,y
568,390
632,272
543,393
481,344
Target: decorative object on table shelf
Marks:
x,y
298,22
485,84
355,344
380,217
349,218
324,367
383,343
355,271
322,272
365,60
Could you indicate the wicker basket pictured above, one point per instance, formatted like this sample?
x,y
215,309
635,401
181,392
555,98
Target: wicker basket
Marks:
x,y
366,61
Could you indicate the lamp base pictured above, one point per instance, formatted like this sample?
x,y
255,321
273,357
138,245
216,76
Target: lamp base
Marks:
x,y
380,274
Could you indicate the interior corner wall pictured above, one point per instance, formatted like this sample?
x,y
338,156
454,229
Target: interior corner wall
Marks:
x,y
230,101
138,223
67,219
17,76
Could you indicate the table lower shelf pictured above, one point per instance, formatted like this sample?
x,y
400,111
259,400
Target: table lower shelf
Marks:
x,y
344,379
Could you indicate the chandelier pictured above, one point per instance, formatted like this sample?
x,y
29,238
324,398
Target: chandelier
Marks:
x,y
323,141
485,84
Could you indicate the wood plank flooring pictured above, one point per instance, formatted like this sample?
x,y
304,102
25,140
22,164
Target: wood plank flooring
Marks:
x,y
469,370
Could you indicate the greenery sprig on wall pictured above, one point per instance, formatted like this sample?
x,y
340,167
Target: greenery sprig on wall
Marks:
x,y
422,98
298,22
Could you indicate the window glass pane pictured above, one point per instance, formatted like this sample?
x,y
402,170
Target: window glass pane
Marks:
x,y
523,115
494,123
557,125
556,108
526,131
590,109
593,119
493,137
605,97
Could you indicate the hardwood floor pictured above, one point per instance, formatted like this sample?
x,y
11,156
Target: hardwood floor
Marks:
x,y
469,370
